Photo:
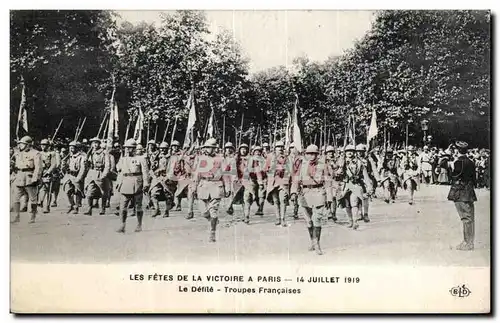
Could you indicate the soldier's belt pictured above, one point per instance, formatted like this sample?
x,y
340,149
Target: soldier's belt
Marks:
x,y
312,186
210,179
99,169
26,169
132,174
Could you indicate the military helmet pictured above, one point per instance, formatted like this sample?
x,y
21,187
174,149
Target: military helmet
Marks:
x,y
350,148
312,149
139,147
389,151
462,144
130,143
44,142
175,143
103,144
26,140
163,145
95,139
74,144
64,149
116,145
329,149
244,145
279,144
228,145
265,145
84,141
426,147
151,142
360,147
410,148
210,143
257,148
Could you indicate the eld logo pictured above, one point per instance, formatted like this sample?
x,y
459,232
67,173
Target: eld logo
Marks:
x,y
460,291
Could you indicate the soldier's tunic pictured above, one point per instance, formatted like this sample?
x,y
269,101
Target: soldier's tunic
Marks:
x,y
210,184
73,181
28,166
97,182
134,176
49,164
186,186
309,181
389,177
411,171
157,175
250,176
279,171
175,170
463,178
357,182
57,175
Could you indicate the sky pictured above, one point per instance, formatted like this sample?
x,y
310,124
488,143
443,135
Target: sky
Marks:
x,y
271,38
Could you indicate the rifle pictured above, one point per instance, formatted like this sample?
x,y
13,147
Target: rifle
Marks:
x,y
57,130
79,131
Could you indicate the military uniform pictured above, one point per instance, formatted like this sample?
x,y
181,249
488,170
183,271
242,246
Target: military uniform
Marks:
x,y
250,178
370,181
211,185
97,182
462,194
389,180
131,184
332,183
295,161
308,183
175,171
49,165
426,161
186,187
57,175
28,166
411,170
73,181
279,171
159,189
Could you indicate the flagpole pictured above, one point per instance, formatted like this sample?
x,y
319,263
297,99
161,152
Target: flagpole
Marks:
x,y
166,130
174,130
223,130
406,134
128,128
156,129
241,129
21,108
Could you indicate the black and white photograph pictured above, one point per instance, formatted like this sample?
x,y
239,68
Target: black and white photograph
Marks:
x,y
250,161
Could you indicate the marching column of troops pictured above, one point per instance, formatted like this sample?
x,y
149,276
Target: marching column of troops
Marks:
x,y
318,181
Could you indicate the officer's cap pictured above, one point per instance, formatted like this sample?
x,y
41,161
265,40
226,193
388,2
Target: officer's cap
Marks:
x,y
130,143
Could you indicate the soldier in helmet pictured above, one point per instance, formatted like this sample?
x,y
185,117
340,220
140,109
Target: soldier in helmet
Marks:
x,y
238,164
369,164
49,165
96,181
259,164
186,186
388,177
73,182
294,157
28,168
356,185
463,180
211,184
332,184
279,176
411,171
159,190
266,150
139,150
57,174
308,187
175,171
132,183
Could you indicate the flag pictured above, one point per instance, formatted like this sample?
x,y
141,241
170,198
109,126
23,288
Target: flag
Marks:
x,y
297,136
189,137
23,115
373,131
210,128
139,126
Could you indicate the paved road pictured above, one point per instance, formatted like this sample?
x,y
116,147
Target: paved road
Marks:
x,y
423,234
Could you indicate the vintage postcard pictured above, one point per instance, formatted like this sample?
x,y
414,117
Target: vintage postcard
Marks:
x,y
258,161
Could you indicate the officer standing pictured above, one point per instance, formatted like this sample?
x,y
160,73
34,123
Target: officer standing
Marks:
x,y
28,174
133,182
49,164
211,184
309,184
462,193
74,179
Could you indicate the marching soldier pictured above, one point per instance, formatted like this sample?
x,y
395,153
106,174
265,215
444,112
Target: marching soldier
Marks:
x,y
175,170
132,183
74,178
250,179
139,150
152,156
266,149
356,184
58,174
411,171
49,165
261,162
186,184
369,165
462,194
278,170
159,190
96,181
28,168
388,169
309,184
332,185
238,164
295,160
229,150
211,184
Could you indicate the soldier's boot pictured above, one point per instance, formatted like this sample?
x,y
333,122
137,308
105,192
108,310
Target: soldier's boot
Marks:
x,y
295,210
54,200
283,216
190,215
317,237
246,212
355,211
89,210
348,210
366,219
178,204
123,219
33,212
166,213
278,215
17,210
333,210
411,196
230,209
46,208
260,210
468,243
25,208
78,204
156,206
213,228
139,221
311,238
103,206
